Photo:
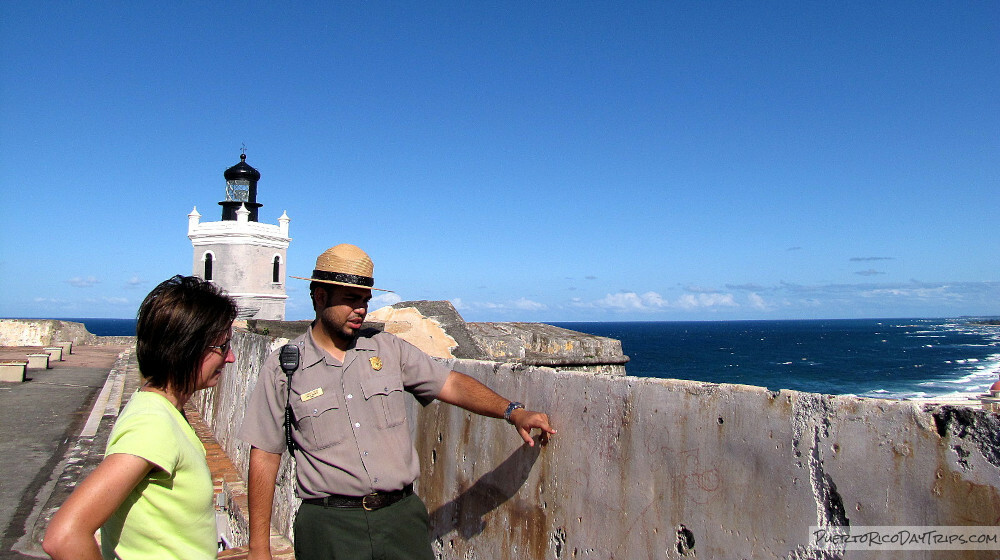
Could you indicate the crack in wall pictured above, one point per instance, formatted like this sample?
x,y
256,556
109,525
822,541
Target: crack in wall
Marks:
x,y
811,414
829,504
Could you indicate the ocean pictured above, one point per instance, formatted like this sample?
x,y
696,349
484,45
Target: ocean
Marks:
x,y
107,327
888,358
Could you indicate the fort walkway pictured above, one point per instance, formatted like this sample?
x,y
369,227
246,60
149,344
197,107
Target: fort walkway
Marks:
x,y
53,430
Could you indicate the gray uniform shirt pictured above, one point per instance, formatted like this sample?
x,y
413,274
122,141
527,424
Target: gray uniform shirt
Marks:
x,y
353,434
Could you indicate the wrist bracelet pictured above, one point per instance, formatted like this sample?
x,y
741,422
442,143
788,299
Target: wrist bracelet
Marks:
x,y
514,405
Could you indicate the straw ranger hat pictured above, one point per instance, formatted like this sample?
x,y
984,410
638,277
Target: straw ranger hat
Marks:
x,y
344,265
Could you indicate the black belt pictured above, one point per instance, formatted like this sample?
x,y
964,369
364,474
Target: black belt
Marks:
x,y
370,502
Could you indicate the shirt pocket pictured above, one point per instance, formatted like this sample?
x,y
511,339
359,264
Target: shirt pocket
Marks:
x,y
385,392
322,422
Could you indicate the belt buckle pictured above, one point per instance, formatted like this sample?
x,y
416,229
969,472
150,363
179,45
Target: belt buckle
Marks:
x,y
364,501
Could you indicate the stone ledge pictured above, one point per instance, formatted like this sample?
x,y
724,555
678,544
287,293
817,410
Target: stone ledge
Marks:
x,y
231,493
541,344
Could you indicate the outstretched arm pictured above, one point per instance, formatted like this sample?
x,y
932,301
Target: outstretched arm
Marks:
x,y
71,532
260,495
464,391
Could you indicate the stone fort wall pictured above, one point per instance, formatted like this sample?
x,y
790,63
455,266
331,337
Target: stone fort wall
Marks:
x,y
46,332
653,468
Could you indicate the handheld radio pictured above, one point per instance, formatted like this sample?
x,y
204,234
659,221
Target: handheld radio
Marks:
x,y
288,357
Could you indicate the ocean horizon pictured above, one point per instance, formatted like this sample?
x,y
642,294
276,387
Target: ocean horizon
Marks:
x,y
885,358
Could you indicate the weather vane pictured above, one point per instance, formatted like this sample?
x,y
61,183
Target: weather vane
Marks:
x,y
244,150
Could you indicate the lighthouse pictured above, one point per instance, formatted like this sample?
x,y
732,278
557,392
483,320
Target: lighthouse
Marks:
x,y
240,254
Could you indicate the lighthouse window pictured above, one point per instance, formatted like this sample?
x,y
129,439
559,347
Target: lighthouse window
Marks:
x,y
238,190
208,266
275,274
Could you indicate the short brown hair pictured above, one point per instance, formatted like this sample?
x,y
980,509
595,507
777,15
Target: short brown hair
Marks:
x,y
330,289
177,322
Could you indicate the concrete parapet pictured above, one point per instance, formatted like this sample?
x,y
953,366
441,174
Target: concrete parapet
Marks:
x,y
55,352
38,361
113,341
660,468
278,329
13,371
697,469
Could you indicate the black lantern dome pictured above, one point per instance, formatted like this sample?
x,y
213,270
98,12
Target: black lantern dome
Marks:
x,y
242,170
241,190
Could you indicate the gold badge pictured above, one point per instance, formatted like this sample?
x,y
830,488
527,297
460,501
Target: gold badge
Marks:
x,y
376,363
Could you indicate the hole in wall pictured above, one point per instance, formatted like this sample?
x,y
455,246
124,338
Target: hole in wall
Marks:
x,y
685,541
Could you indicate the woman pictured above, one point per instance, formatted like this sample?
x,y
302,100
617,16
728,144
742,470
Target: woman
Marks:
x,y
152,494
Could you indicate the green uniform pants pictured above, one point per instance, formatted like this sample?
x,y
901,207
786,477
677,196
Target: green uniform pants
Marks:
x,y
398,532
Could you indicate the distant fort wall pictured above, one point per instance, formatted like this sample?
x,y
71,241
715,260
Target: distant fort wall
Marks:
x,y
658,468
46,332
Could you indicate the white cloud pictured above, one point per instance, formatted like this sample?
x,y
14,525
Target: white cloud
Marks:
x,y
757,302
655,300
652,301
520,304
923,293
748,300
648,301
693,301
527,305
384,299
78,282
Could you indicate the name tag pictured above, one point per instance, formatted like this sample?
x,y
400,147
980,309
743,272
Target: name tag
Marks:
x,y
312,394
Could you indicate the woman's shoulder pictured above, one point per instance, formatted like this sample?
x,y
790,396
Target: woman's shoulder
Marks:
x,y
147,402
149,429
148,411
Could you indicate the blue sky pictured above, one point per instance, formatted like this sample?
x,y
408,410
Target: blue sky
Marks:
x,y
529,161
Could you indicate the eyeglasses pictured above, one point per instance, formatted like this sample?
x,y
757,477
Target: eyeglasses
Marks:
x,y
222,348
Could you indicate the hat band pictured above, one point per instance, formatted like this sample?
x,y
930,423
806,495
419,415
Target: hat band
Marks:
x,y
345,278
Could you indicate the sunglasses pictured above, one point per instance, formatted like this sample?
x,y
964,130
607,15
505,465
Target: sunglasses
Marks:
x,y
222,348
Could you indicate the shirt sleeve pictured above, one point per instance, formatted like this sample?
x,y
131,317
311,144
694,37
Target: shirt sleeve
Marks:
x,y
263,422
422,375
148,435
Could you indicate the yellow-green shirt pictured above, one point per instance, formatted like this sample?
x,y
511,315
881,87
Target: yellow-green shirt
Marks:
x,y
171,513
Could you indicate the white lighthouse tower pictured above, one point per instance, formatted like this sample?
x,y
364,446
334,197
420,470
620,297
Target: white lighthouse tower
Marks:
x,y
245,257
